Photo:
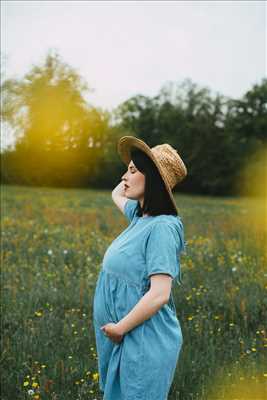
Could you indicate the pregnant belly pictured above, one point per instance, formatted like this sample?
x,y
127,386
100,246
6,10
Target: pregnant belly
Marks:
x,y
100,309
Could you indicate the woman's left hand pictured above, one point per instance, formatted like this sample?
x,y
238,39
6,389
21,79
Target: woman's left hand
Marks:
x,y
113,332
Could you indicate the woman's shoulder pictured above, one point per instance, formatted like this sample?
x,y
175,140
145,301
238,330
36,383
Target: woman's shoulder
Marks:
x,y
167,226
168,219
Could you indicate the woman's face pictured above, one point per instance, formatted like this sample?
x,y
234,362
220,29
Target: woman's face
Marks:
x,y
135,182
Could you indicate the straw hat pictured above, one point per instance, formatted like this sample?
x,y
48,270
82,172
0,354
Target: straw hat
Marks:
x,y
167,160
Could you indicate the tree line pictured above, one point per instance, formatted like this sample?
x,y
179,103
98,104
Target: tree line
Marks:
x,y
63,141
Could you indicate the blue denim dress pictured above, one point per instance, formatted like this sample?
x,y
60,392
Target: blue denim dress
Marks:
x,y
142,365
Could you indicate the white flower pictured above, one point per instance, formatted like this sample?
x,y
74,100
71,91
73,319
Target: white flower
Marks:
x,y
50,252
65,251
234,269
30,392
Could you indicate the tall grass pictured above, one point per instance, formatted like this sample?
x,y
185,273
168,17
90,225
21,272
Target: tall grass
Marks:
x,y
53,241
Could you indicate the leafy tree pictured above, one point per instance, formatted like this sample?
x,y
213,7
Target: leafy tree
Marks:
x,y
59,136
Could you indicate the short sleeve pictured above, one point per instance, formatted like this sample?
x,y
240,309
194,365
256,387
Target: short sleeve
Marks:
x,y
130,209
163,248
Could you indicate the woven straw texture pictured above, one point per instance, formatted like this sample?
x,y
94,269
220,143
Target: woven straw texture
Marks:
x,y
167,160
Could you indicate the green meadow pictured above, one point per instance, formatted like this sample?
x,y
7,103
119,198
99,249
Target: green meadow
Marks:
x,y
53,242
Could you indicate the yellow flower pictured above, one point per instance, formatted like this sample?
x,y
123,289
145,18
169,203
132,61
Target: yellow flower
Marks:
x,y
253,349
190,318
95,376
26,383
38,313
34,384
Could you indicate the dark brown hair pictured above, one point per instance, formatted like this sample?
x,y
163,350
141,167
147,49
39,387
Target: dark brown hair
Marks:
x,y
156,197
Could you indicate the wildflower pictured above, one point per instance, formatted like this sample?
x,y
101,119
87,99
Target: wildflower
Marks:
x,y
95,376
234,269
65,251
265,375
50,252
190,318
30,392
26,383
34,384
38,313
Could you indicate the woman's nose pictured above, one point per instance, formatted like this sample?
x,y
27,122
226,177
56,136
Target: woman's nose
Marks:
x,y
123,177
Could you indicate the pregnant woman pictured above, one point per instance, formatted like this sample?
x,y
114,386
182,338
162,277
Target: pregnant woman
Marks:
x,y
138,335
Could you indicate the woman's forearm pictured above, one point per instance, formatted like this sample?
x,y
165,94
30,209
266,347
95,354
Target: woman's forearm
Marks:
x,y
147,306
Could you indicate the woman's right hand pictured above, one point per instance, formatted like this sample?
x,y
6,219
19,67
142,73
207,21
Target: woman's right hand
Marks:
x,y
119,189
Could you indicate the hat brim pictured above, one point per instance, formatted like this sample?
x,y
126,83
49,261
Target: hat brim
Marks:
x,y
126,143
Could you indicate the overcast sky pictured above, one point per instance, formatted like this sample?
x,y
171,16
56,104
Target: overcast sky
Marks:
x,y
124,48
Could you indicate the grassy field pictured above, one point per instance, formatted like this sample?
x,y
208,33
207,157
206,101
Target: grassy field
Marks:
x,y
53,241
